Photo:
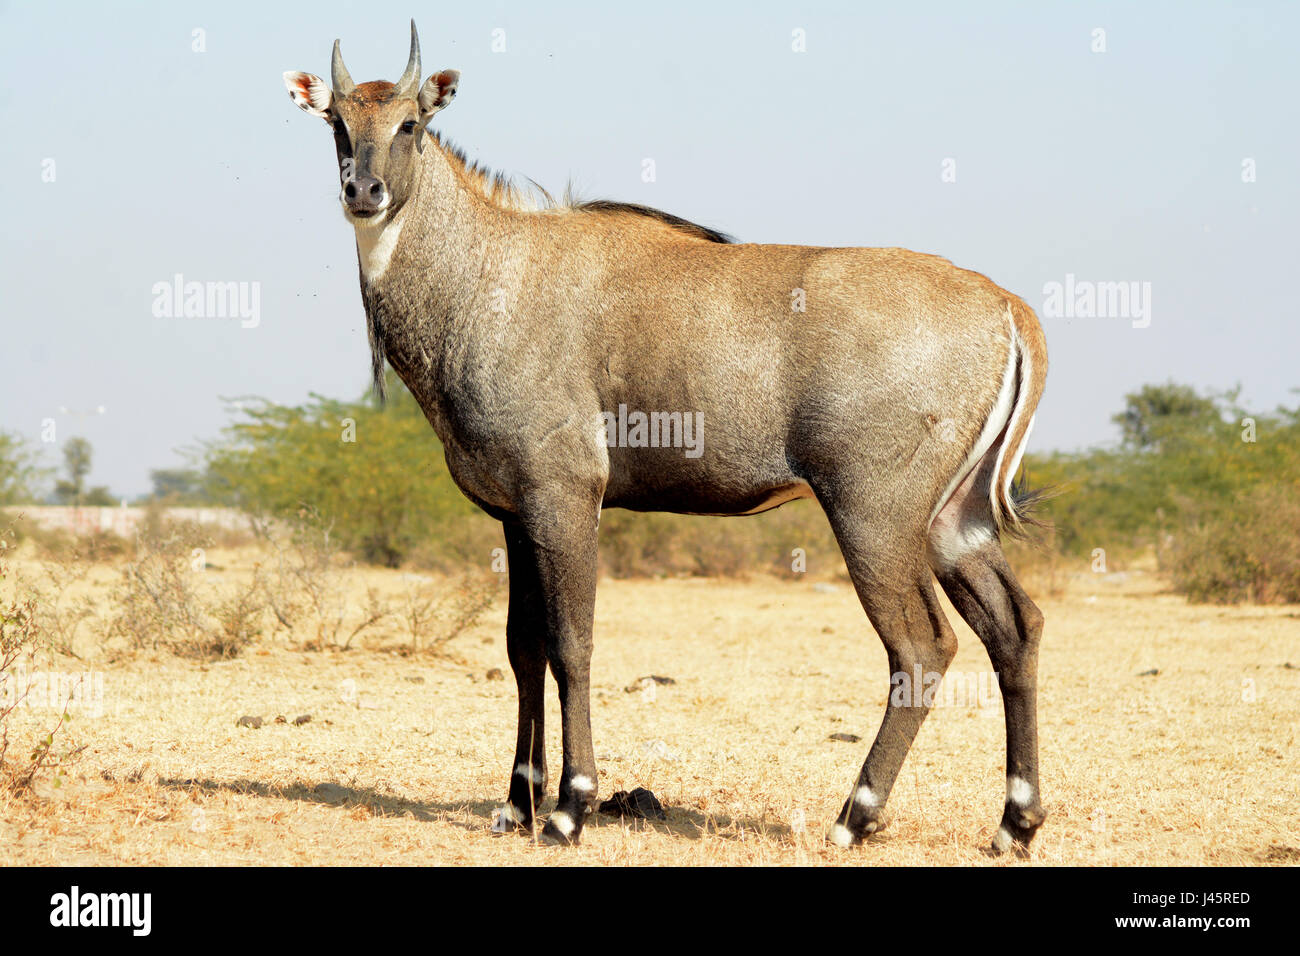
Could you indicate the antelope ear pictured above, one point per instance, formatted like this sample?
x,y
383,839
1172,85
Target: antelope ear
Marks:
x,y
310,93
437,92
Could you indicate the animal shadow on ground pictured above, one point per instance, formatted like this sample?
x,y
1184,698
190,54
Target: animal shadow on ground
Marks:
x,y
337,795
682,822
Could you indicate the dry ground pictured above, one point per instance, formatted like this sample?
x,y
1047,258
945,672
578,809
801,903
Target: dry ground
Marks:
x,y
406,757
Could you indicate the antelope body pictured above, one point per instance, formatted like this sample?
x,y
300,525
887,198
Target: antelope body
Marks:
x,y
900,398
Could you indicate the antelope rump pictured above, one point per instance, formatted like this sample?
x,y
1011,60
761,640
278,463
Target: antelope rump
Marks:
x,y
900,397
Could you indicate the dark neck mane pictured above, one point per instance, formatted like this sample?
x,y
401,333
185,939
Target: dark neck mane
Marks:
x,y
500,190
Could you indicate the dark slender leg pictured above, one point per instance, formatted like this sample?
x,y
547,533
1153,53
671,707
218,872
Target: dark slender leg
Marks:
x,y
919,641
562,535
986,593
526,645
894,586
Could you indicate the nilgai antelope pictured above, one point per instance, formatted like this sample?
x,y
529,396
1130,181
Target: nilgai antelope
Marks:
x,y
900,397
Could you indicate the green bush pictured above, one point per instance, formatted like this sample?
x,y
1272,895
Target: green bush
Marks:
x,y
21,474
1249,553
1208,487
376,474
636,544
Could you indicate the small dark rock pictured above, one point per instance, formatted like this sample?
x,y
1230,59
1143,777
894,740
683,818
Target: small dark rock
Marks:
x,y
414,680
302,719
246,721
1151,673
639,803
495,674
281,719
847,738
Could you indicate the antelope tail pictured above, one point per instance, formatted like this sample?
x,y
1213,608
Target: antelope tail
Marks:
x,y
1013,502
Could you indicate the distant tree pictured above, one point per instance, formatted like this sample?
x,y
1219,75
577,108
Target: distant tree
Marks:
x,y
178,485
1156,413
99,497
77,458
20,471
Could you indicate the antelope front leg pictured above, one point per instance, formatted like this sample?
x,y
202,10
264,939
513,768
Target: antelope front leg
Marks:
x,y
526,645
564,550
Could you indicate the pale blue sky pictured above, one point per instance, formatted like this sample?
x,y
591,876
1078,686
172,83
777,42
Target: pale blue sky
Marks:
x,y
1122,165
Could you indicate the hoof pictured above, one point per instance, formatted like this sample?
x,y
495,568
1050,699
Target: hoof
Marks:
x,y
560,830
510,819
1019,824
842,836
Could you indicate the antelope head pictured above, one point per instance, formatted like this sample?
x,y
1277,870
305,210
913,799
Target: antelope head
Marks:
x,y
379,129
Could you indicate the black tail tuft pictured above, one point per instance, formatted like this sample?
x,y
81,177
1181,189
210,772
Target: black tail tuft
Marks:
x,y
1026,501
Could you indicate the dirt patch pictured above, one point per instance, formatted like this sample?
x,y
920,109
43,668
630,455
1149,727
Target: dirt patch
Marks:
x,y
407,756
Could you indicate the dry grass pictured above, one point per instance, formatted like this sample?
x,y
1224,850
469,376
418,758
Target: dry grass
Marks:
x,y
406,756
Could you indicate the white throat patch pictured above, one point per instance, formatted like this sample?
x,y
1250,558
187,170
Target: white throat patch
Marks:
x,y
375,245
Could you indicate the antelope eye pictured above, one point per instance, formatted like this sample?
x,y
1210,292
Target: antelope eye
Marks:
x,y
408,127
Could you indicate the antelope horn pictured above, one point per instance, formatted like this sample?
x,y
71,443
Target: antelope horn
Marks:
x,y
339,77
410,80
